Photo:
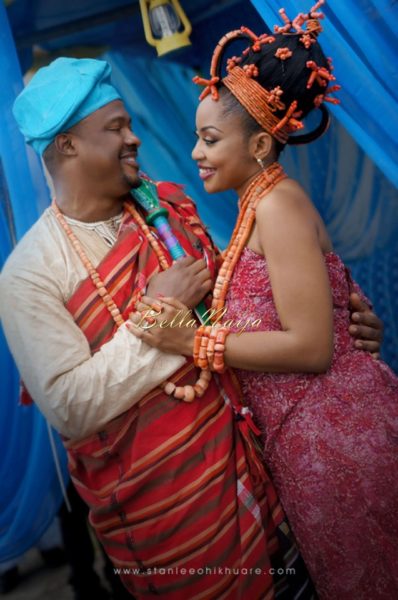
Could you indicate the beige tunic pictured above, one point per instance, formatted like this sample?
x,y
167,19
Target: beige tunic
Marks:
x,y
77,391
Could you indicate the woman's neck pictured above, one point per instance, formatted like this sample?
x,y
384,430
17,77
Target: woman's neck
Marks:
x,y
245,184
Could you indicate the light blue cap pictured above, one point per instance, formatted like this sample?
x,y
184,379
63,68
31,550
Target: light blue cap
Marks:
x,y
59,96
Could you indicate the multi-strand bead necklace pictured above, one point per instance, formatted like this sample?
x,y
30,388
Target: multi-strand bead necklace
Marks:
x,y
186,392
209,345
261,185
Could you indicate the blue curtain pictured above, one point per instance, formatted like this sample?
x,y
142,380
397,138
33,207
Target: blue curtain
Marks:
x,y
356,200
356,196
361,37
348,173
30,491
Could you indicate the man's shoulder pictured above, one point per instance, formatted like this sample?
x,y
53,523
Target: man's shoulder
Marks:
x,y
33,250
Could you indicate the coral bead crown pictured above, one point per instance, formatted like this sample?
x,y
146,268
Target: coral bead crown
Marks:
x,y
263,104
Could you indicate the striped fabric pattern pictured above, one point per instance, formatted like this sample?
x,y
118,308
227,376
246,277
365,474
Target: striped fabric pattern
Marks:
x,y
168,483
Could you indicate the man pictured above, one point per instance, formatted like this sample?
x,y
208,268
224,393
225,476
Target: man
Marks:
x,y
168,482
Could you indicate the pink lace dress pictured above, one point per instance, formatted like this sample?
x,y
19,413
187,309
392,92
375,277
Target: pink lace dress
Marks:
x,y
331,443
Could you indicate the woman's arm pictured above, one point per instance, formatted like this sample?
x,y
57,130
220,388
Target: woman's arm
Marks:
x,y
366,328
301,293
287,232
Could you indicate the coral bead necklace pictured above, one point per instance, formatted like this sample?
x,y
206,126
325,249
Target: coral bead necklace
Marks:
x,y
187,392
261,185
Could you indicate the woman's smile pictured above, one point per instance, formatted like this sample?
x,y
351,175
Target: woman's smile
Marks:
x,y
206,172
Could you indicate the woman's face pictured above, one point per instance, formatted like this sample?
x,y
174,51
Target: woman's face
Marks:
x,y
222,150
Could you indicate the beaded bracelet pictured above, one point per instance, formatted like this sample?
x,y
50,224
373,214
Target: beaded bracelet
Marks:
x,y
219,349
209,347
187,393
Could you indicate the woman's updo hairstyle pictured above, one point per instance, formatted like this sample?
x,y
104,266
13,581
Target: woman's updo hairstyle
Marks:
x,y
290,73
277,81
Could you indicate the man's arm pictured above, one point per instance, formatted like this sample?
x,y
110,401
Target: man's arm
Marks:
x,y
78,392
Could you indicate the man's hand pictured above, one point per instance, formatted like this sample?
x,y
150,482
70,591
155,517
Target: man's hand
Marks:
x,y
188,279
366,327
166,324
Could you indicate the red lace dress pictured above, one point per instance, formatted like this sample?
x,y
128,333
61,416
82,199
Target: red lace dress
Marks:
x,y
331,443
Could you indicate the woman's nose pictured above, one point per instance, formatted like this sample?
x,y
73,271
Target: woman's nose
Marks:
x,y
196,151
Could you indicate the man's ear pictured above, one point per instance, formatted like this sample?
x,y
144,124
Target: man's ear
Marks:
x,y
261,145
65,144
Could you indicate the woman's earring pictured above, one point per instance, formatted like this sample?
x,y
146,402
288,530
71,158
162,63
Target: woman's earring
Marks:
x,y
260,162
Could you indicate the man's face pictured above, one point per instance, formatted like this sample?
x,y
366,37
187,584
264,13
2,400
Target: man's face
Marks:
x,y
107,150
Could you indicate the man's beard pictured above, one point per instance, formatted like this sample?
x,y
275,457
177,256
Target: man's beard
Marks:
x,y
133,183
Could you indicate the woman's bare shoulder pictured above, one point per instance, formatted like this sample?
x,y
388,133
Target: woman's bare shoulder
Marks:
x,y
287,195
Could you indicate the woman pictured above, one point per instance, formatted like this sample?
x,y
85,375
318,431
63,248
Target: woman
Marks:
x,y
328,411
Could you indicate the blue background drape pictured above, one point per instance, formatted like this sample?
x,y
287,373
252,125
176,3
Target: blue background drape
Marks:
x,y
361,36
350,173
354,184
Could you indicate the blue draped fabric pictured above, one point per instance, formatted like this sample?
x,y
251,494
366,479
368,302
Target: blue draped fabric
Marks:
x,y
361,37
355,197
356,200
30,491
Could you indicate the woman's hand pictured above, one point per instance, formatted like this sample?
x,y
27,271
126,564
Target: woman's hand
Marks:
x,y
366,327
188,279
165,323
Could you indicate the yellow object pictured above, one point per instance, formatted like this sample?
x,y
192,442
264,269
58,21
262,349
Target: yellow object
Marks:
x,y
164,19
